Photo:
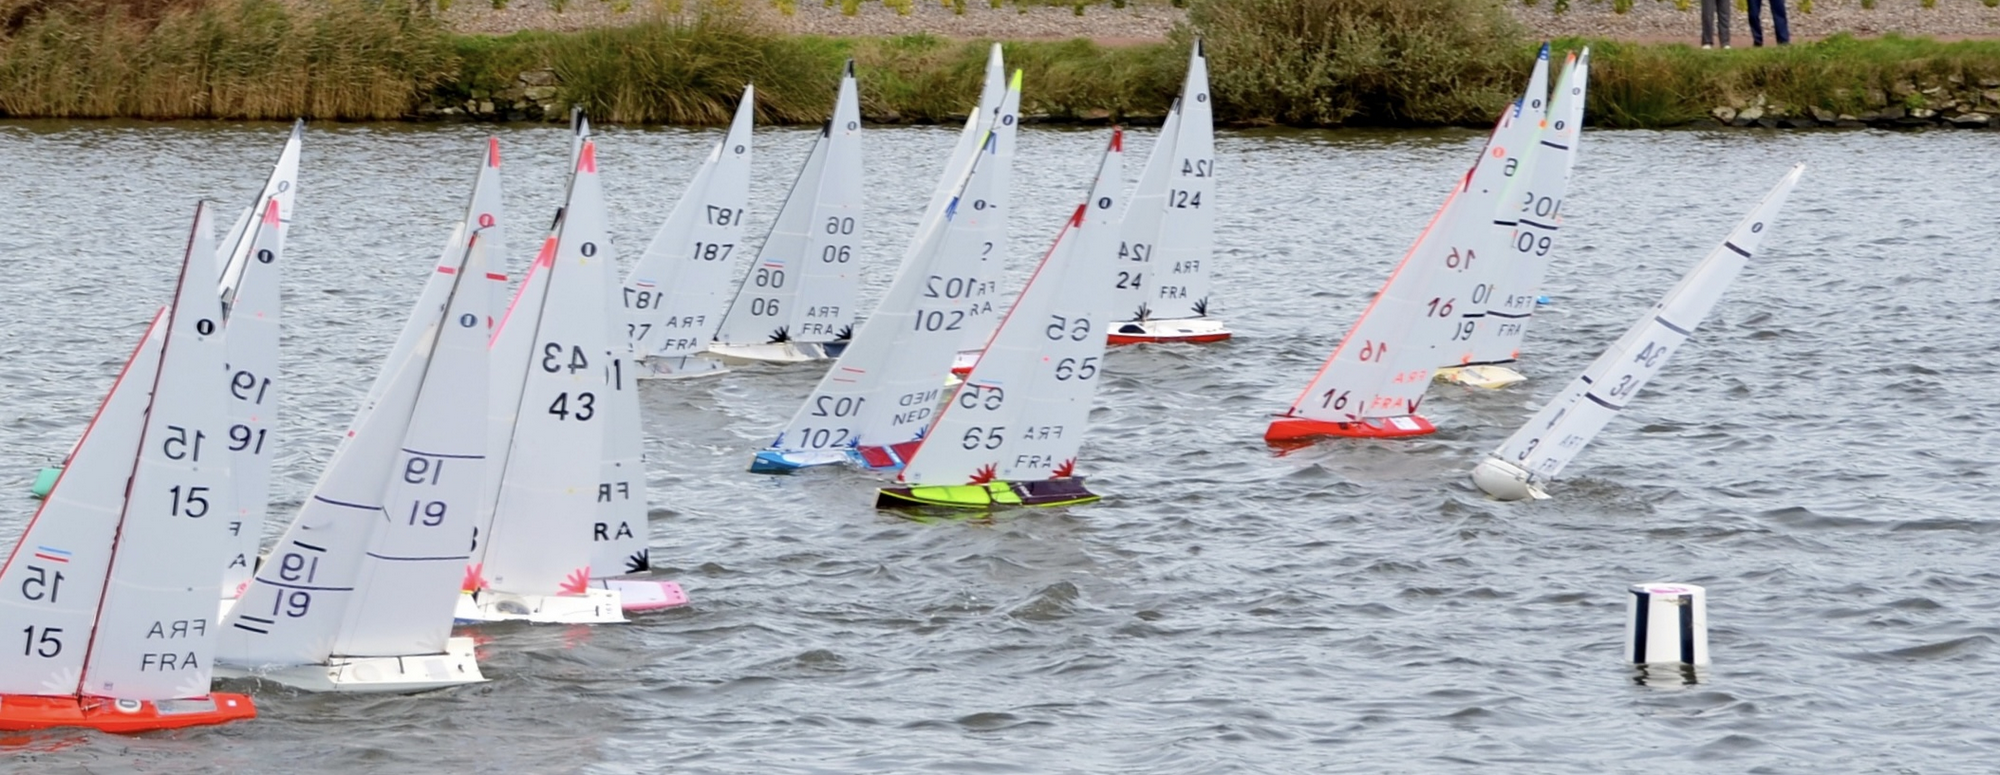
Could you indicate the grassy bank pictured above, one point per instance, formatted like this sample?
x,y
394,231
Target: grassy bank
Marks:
x,y
1293,62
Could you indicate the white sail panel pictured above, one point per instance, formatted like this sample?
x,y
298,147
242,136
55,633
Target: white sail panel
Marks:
x,y
620,537
1535,207
828,276
1514,144
155,634
674,295
1182,253
769,291
1021,413
483,214
509,352
1140,229
54,580
281,187
983,309
539,542
253,387
992,89
409,577
1553,437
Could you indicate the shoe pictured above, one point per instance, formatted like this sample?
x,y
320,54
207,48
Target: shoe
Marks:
x,y
1725,47
1705,45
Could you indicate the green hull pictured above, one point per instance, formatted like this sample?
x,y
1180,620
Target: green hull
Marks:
x,y
45,481
988,496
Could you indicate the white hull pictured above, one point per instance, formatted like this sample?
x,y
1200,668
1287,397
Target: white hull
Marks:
x,y
682,367
779,352
640,594
401,675
1491,377
594,606
1505,481
1174,330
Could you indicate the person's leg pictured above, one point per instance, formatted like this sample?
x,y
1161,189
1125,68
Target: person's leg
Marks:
x,y
1722,21
1708,21
1757,21
1779,28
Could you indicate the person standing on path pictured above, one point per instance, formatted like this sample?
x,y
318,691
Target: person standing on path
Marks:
x,y
1714,22
1779,28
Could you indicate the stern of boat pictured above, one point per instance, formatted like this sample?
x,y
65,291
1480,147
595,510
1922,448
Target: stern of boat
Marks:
x,y
594,606
1189,330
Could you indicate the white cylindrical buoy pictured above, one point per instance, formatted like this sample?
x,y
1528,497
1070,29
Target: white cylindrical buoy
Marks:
x,y
1666,623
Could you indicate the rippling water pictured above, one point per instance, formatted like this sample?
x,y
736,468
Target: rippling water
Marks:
x,y
1820,456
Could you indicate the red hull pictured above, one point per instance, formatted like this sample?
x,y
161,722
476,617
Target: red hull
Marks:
x,y
1288,429
20,712
1117,338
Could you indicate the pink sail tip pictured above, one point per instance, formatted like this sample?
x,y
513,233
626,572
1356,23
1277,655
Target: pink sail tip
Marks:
x,y
586,161
1118,139
493,152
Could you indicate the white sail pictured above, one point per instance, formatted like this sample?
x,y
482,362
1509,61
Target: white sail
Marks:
x,y
1178,283
1515,141
1145,209
538,543
155,633
484,216
281,187
983,310
509,353
409,578
1021,413
802,286
253,385
620,536
1550,440
882,390
1375,379
54,580
674,295
1535,210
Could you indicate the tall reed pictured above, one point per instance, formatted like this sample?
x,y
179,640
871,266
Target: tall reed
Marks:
x,y
340,59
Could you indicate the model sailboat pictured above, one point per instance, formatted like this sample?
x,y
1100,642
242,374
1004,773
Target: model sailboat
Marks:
x,y
1510,281
1168,244
358,593
797,301
880,396
1010,433
673,299
533,560
1549,441
1373,384
113,585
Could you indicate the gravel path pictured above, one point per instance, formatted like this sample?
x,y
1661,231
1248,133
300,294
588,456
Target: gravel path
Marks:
x,y
1148,20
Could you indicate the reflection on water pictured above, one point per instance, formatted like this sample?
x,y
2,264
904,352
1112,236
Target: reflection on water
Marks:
x,y
1815,456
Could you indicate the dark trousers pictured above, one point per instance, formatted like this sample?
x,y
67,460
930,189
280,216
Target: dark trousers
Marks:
x,y
1778,26
1714,21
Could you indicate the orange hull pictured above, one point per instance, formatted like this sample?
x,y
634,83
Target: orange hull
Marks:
x,y
1288,429
1117,338
22,712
